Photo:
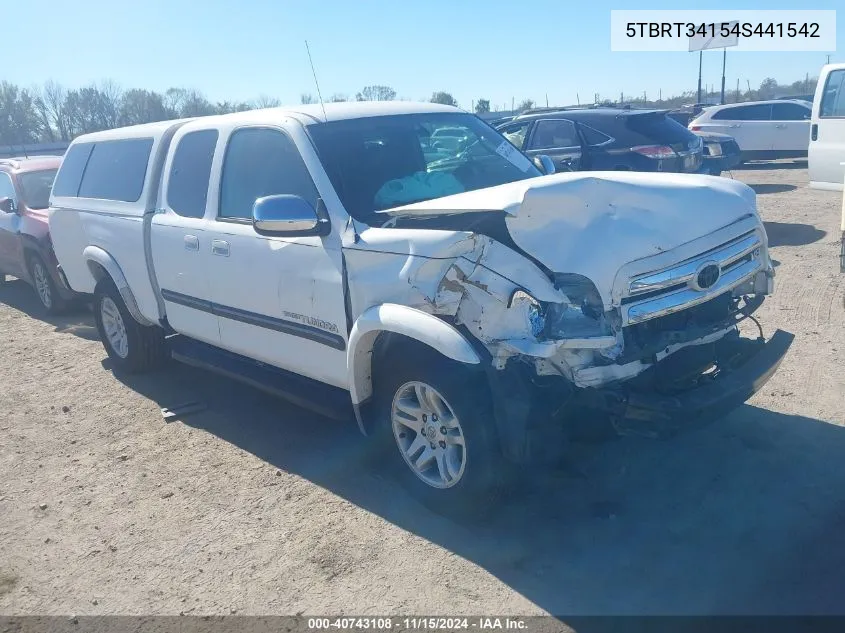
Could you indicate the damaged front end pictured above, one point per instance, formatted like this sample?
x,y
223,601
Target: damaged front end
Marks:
x,y
558,359
626,306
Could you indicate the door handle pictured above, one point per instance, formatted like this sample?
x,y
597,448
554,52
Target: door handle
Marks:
x,y
734,125
780,126
192,243
220,247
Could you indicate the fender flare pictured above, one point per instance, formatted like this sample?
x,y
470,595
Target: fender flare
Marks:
x,y
96,255
415,324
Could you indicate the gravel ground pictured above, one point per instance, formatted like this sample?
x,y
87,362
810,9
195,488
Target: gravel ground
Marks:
x,y
256,507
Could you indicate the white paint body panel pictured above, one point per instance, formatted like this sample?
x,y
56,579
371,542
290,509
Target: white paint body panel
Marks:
x,y
592,223
598,225
756,136
826,158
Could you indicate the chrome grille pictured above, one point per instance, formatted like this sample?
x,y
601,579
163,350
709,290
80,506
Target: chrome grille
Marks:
x,y
680,286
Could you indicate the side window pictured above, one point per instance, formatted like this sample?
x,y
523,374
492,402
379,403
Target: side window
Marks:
x,y
70,173
516,133
116,170
833,96
261,162
187,187
594,137
7,189
745,113
554,133
790,112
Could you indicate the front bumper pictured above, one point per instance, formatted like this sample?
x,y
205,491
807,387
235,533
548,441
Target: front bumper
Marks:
x,y
656,415
535,417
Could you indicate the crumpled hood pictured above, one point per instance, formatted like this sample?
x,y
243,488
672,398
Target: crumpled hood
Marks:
x,y
591,223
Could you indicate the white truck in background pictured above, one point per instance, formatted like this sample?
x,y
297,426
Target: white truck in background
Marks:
x,y
470,310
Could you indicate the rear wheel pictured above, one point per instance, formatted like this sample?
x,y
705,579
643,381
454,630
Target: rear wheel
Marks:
x,y
132,347
45,287
437,432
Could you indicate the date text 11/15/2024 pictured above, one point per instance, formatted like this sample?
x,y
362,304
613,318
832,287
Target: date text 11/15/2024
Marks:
x,y
417,623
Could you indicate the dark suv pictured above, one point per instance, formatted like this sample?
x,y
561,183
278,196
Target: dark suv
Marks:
x,y
607,139
25,248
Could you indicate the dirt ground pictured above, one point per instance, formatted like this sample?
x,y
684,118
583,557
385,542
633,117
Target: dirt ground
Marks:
x,y
256,507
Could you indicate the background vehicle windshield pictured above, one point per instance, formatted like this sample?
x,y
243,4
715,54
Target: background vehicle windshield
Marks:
x,y
35,187
382,162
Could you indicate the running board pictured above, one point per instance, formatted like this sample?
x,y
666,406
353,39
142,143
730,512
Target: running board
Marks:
x,y
326,400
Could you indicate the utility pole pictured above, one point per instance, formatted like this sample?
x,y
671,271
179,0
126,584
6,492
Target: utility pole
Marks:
x,y
724,61
578,98
547,99
660,94
828,59
737,89
700,55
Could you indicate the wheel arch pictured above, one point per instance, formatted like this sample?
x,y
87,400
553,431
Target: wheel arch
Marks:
x,y
102,265
408,322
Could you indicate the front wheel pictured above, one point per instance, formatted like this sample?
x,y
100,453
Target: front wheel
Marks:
x,y
437,429
132,347
45,287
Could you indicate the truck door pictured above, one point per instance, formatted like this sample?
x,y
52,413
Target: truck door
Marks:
x,y
181,246
827,135
11,248
280,299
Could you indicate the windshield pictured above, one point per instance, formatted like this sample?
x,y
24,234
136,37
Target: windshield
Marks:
x,y
381,162
35,187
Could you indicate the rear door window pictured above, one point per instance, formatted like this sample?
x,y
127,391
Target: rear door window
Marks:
x,y
790,112
187,187
761,112
116,170
553,134
833,97
70,173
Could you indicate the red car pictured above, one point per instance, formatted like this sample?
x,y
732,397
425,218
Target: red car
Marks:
x,y
26,251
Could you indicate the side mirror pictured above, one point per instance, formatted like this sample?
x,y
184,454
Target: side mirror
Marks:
x,y
544,164
289,216
7,205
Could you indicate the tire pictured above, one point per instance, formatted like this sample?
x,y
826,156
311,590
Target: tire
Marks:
x,y
45,288
132,347
475,473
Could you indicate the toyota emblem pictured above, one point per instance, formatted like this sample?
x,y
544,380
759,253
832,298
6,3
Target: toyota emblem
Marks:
x,y
706,276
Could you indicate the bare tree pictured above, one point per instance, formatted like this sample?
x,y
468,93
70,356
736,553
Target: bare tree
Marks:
x,y
265,101
482,106
51,108
305,98
376,93
338,98
526,104
143,106
443,97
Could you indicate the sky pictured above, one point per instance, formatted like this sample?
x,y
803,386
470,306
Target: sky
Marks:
x,y
496,49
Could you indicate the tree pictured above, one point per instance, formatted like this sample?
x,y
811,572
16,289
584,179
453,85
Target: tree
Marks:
x,y
526,104
143,106
50,104
338,98
93,108
482,106
443,97
768,89
183,103
20,122
376,93
306,97
265,101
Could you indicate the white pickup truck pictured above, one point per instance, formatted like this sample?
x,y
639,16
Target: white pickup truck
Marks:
x,y
468,308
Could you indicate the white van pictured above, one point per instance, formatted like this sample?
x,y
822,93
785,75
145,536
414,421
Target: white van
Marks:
x,y
827,130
